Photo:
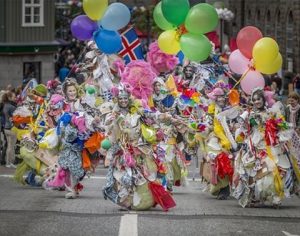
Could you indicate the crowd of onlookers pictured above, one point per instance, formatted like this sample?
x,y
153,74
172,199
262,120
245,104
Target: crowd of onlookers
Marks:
x,y
67,57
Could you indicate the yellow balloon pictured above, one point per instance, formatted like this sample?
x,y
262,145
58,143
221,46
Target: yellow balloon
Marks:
x,y
269,68
95,9
168,42
266,50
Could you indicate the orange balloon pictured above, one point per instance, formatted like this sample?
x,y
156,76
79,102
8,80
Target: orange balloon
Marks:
x,y
234,97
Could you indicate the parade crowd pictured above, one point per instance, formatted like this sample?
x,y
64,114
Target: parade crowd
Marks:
x,y
148,119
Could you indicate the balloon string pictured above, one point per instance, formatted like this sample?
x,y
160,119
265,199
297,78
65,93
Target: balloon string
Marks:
x,y
243,76
77,61
219,64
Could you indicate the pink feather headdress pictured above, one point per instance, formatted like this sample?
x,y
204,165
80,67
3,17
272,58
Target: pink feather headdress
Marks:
x,y
160,61
139,76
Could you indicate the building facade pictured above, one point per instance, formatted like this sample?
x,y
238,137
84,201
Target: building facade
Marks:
x,y
278,19
27,44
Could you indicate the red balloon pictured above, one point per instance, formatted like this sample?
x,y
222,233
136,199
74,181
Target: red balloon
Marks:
x,y
246,39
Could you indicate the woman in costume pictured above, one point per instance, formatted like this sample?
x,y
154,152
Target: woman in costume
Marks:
x,y
69,128
265,169
132,180
170,149
217,168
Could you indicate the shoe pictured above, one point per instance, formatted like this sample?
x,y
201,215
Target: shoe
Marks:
x,y
7,166
187,163
13,166
71,195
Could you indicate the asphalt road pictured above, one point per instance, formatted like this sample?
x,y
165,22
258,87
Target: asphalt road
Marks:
x,y
31,211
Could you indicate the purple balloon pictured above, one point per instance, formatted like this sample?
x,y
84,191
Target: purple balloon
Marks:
x,y
83,27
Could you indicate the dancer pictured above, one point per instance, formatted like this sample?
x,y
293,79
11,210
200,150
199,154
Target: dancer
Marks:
x,y
132,180
266,169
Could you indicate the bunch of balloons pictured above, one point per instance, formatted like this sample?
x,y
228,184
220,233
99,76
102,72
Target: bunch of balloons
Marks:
x,y
101,23
185,28
255,55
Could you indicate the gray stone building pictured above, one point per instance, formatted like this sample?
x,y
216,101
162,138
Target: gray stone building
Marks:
x,y
27,44
279,19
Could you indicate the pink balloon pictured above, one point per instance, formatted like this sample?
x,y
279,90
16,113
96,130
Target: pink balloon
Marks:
x,y
246,39
237,62
252,80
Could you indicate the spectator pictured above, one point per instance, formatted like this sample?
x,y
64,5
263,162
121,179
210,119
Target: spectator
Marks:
x,y
3,143
287,81
276,84
8,109
293,111
296,82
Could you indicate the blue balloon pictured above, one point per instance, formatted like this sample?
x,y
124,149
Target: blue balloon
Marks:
x,y
115,17
168,101
108,41
180,56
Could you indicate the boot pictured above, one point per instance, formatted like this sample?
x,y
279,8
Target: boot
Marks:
x,y
224,193
72,192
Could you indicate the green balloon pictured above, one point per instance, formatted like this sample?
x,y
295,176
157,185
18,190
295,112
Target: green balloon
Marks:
x,y
201,19
195,47
175,11
105,144
91,90
159,18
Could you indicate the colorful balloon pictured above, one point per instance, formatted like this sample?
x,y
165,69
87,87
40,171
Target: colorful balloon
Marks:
x,y
108,41
83,27
246,39
159,18
202,18
252,80
265,50
180,56
234,97
168,42
269,68
195,47
106,144
115,17
175,11
237,62
95,8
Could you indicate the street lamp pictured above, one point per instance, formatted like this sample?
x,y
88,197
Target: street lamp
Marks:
x,y
224,15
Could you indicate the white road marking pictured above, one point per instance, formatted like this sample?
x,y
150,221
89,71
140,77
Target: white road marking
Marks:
x,y
289,234
128,225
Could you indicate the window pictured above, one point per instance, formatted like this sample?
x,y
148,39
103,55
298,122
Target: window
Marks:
x,y
33,13
257,19
248,21
290,41
32,70
278,27
268,24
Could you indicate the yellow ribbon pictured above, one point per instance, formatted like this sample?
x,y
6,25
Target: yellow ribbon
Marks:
x,y
277,179
218,129
38,166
